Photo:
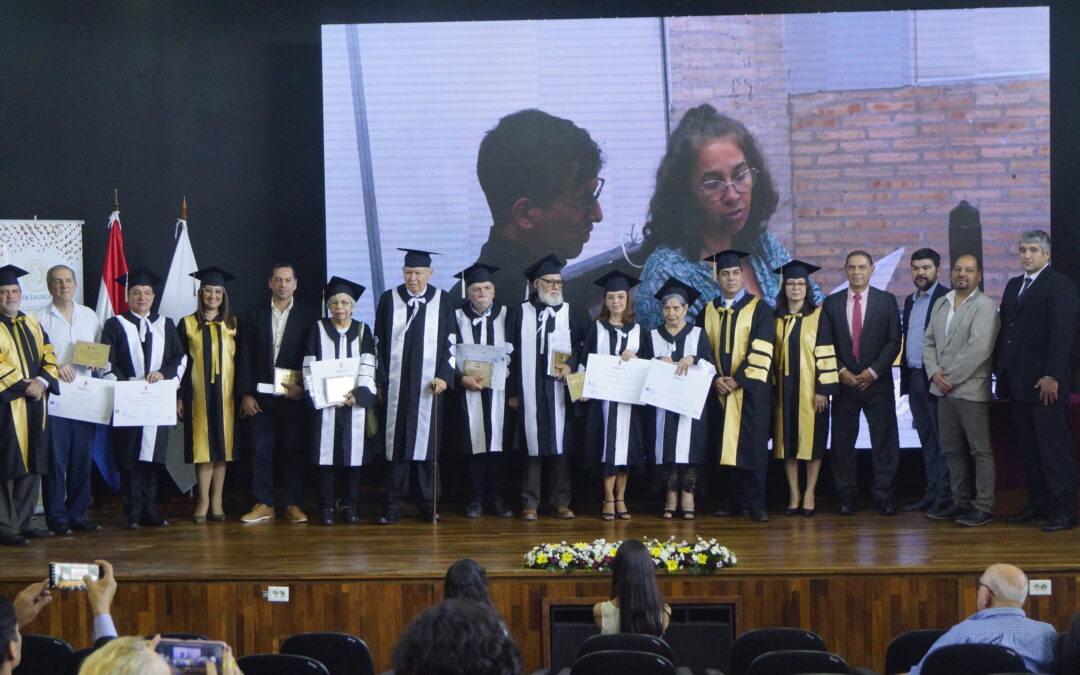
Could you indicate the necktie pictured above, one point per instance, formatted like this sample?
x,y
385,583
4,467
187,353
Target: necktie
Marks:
x,y
1023,289
856,325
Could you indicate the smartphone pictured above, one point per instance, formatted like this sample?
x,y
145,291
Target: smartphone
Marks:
x,y
69,576
191,656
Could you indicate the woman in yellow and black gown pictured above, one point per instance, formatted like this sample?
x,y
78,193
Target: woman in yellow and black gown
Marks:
x,y
207,402
805,377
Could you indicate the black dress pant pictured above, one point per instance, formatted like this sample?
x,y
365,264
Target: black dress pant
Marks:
x,y
398,474
350,479
1041,432
880,409
138,490
486,477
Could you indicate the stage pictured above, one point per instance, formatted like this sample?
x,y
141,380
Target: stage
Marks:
x,y
857,581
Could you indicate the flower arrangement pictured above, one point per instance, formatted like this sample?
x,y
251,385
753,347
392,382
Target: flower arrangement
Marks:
x,y
704,556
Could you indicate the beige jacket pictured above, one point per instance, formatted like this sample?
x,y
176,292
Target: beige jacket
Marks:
x,y
965,352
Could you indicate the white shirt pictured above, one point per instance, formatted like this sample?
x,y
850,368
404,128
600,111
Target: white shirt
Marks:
x,y
278,321
84,326
1034,275
951,298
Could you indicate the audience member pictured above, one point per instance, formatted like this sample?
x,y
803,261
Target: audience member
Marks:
x,y
457,637
635,605
1000,620
10,639
1068,657
467,580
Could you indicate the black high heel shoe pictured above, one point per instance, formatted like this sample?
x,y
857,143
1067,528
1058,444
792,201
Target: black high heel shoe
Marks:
x,y
792,511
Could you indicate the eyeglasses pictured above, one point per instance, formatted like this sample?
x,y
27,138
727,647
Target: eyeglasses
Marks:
x,y
795,284
552,283
588,206
979,584
715,189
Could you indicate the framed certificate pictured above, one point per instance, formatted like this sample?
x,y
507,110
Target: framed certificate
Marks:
x,y
481,370
91,354
283,377
331,380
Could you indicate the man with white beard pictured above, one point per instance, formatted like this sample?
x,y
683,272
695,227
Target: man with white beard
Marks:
x,y
547,335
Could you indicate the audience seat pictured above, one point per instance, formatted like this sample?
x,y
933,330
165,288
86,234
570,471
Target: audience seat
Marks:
x,y
179,636
77,658
280,664
44,655
973,659
797,662
341,653
754,643
634,642
907,649
621,662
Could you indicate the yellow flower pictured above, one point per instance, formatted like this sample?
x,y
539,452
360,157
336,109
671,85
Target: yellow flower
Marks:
x,y
684,549
567,557
672,565
654,551
701,558
542,559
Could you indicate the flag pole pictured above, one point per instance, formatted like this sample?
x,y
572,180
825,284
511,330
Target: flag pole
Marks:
x,y
116,200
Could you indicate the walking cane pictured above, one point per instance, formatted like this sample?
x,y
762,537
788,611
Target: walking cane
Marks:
x,y
435,460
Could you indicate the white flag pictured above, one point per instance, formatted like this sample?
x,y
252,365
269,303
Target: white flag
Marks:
x,y
179,297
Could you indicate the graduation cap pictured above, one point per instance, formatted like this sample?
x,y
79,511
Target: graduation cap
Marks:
x,y
212,276
673,285
477,273
796,269
140,276
727,258
549,264
417,258
9,275
338,285
617,281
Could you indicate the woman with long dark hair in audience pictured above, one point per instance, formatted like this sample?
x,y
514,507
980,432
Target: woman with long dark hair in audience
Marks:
x,y
467,579
207,397
713,192
804,378
338,431
614,431
680,442
635,605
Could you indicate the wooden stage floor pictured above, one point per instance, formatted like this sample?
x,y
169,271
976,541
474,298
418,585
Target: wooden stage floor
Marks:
x,y
857,581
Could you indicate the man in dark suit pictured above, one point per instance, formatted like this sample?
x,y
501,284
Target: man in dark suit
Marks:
x,y
866,332
925,265
271,354
1032,360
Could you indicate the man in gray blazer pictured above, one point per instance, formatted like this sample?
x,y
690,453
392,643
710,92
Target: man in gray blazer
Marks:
x,y
958,352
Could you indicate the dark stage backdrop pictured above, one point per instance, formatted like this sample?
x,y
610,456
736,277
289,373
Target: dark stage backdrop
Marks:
x,y
221,102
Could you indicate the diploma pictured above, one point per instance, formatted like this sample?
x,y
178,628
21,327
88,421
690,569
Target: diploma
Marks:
x,y
137,403
575,382
331,380
609,378
481,370
682,394
476,360
85,399
91,354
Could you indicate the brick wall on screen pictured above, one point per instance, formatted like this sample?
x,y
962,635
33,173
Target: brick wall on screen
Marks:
x,y
881,169
740,68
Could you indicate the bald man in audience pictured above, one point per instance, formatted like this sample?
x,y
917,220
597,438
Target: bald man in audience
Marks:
x,y
1000,620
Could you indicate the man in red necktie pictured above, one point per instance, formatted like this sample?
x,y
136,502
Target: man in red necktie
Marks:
x,y
866,327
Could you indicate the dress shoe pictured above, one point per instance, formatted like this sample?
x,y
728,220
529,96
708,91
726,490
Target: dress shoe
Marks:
x,y
326,517
63,529
924,504
154,520
792,511
14,540
388,518
846,509
758,514
1028,515
473,510
948,512
886,508
258,513
34,533
1059,523
428,516
216,517
130,524
348,515
86,526
809,513
500,509
564,513
295,514
528,514
729,511
975,518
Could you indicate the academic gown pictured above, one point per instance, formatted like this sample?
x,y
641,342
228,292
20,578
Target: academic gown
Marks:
x,y
127,361
680,439
742,346
25,353
543,428
208,390
338,433
480,415
615,432
413,348
805,365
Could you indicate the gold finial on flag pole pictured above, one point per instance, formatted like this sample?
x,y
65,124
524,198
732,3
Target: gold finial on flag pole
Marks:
x,y
183,209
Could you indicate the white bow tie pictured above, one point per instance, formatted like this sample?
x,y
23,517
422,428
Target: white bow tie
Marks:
x,y
414,308
542,329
